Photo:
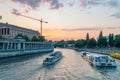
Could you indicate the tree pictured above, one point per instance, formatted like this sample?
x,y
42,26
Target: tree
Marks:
x,y
92,43
117,41
26,38
80,43
70,41
61,44
34,38
111,40
100,35
19,35
41,38
87,37
102,41
1,37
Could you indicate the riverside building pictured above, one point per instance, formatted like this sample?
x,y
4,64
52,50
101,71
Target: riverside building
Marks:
x,y
15,47
9,31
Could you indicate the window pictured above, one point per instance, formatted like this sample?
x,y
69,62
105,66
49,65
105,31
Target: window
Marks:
x,y
8,31
5,31
2,31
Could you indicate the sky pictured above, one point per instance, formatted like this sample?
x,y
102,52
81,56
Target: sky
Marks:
x,y
67,19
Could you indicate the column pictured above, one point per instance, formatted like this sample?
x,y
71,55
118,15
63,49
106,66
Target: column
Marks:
x,y
30,45
3,47
23,46
19,46
7,45
14,46
11,45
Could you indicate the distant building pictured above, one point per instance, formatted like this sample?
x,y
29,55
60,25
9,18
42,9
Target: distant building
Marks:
x,y
9,31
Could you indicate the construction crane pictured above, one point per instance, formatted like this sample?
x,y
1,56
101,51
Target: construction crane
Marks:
x,y
41,21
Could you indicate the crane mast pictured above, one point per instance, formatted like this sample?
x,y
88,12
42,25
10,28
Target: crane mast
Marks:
x,y
41,20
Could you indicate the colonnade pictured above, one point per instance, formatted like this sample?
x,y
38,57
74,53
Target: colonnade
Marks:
x,y
16,45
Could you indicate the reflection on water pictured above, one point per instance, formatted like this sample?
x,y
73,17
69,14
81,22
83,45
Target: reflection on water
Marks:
x,y
70,67
19,58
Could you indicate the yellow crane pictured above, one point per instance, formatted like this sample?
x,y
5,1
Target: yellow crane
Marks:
x,y
41,20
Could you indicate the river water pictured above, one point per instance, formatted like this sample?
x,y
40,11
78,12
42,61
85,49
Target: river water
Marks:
x,y
70,67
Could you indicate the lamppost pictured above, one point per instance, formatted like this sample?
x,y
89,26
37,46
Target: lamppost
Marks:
x,y
41,21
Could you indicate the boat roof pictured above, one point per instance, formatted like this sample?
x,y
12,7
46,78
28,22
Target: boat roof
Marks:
x,y
58,52
50,57
97,55
55,53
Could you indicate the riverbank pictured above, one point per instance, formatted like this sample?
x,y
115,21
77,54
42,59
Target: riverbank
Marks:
x,y
106,51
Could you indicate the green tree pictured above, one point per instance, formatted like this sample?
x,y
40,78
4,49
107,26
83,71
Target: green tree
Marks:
x,y
87,39
80,43
61,44
100,35
70,41
19,35
34,38
26,38
102,41
111,40
92,43
1,37
41,38
117,41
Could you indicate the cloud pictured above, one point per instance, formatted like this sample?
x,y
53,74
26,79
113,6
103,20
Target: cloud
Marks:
x,y
78,29
114,3
15,11
96,28
83,29
34,4
31,3
116,15
90,3
105,3
108,3
57,4
54,4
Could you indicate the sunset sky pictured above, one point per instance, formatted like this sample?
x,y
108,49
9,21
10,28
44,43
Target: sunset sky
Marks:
x,y
67,19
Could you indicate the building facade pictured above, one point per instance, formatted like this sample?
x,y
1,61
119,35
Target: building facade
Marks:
x,y
17,47
9,31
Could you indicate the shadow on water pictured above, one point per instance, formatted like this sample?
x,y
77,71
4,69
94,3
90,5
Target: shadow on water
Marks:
x,y
4,61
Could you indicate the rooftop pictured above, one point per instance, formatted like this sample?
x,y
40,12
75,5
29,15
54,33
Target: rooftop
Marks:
x,y
14,26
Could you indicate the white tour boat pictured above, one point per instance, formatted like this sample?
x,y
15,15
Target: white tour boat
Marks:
x,y
99,60
53,58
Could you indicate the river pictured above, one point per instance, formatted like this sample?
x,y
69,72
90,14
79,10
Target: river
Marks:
x,y
70,67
